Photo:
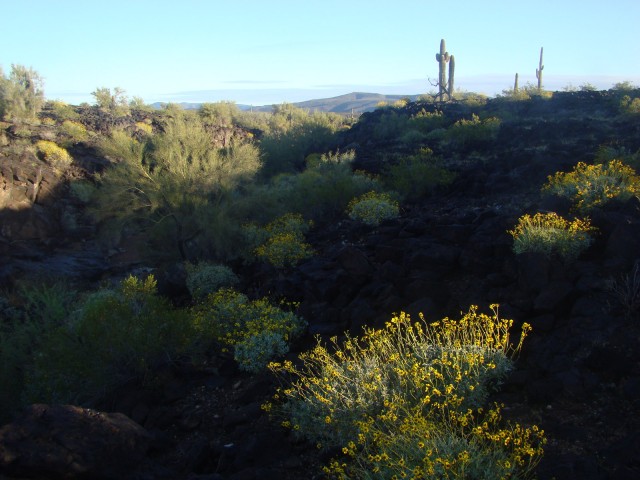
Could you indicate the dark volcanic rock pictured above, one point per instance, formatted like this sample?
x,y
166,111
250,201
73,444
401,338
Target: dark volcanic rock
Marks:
x,y
72,442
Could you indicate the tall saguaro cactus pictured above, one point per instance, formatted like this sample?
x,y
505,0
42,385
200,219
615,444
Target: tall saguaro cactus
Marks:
x,y
515,84
443,58
539,71
452,68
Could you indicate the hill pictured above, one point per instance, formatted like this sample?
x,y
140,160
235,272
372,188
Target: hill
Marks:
x,y
355,102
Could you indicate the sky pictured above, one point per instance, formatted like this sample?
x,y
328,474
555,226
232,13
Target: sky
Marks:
x,y
259,52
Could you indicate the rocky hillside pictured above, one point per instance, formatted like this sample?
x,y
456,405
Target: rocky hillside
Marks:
x,y
578,376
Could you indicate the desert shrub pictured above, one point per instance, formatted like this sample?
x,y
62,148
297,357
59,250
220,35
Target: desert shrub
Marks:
x,y
115,102
62,111
74,130
473,133
417,175
220,114
625,292
144,128
550,234
424,121
293,134
53,154
114,336
408,400
281,242
390,124
36,310
175,184
323,190
630,105
205,278
256,330
373,208
624,86
21,94
82,190
591,186
606,153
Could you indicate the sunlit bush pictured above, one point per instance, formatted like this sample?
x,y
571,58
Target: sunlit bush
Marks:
x,y
550,234
256,330
408,401
283,242
76,131
53,154
591,186
372,208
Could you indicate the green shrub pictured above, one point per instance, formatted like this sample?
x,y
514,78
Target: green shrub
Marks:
x,y
630,105
550,234
36,311
53,154
473,133
76,131
21,95
408,401
373,208
62,111
591,186
417,176
323,190
257,330
281,242
114,336
82,190
205,278
424,121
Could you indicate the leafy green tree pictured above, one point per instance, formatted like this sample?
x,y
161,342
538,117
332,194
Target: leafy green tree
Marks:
x,y
21,94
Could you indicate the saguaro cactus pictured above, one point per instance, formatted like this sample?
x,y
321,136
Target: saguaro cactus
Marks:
x,y
452,68
443,58
515,85
539,71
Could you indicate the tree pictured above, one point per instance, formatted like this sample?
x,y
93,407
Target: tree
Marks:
x,y
115,103
219,114
168,180
21,95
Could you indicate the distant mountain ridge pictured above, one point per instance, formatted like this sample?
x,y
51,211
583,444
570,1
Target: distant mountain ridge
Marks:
x,y
354,102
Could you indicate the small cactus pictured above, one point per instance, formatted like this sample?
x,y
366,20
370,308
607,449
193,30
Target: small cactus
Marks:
x,y
539,71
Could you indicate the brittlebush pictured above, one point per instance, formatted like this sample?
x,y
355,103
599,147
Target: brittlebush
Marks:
x,y
408,401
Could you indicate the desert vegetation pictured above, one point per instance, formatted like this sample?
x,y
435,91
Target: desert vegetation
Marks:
x,y
256,249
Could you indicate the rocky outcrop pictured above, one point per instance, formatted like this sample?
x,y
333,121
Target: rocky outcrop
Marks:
x,y
70,442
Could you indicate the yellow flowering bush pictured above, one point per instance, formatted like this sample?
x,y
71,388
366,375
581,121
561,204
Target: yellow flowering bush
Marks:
x,y
282,241
53,154
550,234
591,186
372,208
407,401
256,330
76,131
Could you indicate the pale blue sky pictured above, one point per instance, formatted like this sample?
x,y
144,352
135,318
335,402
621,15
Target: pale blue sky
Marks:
x,y
269,51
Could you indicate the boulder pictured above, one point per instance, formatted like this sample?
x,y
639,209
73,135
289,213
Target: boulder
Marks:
x,y
70,442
